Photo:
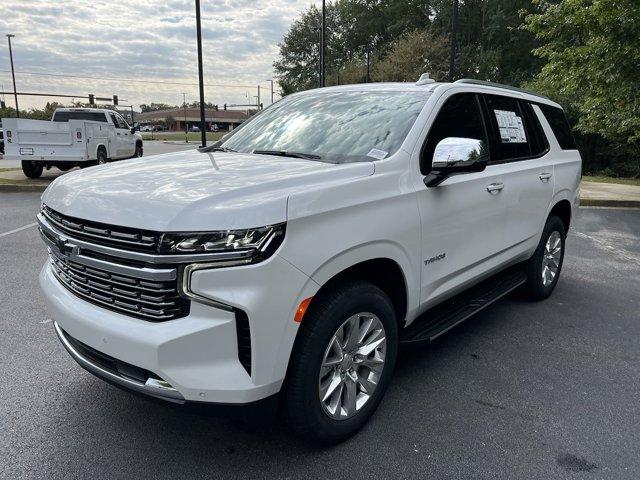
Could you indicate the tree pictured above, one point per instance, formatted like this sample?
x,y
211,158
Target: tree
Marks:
x,y
413,54
153,107
592,50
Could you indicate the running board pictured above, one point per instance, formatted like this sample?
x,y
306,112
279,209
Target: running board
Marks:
x,y
446,315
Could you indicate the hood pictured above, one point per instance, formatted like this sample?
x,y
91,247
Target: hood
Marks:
x,y
190,191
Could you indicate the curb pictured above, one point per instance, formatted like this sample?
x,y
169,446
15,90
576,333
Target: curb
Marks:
x,y
16,187
600,202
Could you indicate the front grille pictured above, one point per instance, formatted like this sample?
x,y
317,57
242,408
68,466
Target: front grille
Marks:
x,y
150,300
103,234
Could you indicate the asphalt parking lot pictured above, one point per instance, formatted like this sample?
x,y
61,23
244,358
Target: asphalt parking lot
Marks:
x,y
525,390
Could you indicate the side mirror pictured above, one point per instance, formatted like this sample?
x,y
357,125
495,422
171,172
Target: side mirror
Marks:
x,y
455,155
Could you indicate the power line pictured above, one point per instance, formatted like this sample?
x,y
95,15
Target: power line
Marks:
x,y
129,80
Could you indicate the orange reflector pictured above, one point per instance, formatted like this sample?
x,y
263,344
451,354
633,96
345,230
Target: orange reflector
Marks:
x,y
302,310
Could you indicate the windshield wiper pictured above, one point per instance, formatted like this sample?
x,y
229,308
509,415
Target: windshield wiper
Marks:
x,y
214,148
281,153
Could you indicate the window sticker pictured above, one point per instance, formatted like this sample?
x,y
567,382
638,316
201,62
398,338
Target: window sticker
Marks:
x,y
377,154
511,127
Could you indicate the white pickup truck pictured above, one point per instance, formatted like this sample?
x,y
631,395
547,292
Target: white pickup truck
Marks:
x,y
74,137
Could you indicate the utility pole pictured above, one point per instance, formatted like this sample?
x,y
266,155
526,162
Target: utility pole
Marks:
x,y
201,76
454,40
186,129
13,75
258,97
368,63
271,80
323,40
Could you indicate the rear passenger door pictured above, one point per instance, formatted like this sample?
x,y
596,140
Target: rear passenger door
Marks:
x,y
520,151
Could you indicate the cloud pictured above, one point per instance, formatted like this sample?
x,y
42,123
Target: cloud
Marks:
x,y
145,40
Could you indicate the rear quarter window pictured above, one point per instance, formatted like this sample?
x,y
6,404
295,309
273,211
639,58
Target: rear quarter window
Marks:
x,y
560,126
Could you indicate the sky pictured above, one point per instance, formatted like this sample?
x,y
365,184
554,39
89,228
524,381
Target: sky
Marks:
x,y
130,44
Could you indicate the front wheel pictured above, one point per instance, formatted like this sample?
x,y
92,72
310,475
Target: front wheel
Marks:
x,y
543,268
31,169
138,152
341,364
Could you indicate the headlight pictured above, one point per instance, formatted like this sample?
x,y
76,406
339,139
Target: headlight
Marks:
x,y
254,243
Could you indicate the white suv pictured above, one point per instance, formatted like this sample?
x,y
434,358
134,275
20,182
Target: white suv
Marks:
x,y
285,265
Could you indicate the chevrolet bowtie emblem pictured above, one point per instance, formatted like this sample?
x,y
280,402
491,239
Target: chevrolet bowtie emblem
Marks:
x,y
67,248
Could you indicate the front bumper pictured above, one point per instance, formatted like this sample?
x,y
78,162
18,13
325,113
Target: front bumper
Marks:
x,y
195,358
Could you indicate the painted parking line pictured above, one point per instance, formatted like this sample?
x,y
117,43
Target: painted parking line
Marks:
x,y
18,229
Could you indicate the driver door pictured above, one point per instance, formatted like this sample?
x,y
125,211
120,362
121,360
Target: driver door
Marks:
x,y
463,218
125,140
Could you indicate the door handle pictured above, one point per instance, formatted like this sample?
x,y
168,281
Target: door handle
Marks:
x,y
544,177
495,188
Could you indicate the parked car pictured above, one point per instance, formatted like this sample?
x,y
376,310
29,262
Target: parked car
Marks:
x,y
214,127
333,228
194,128
147,128
74,137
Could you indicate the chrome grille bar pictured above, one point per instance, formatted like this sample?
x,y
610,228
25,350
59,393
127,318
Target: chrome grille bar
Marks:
x,y
135,297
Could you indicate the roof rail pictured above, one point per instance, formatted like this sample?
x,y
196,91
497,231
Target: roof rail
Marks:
x,y
473,81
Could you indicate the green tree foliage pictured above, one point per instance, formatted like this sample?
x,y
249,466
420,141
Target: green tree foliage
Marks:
x,y
592,50
413,54
153,107
491,46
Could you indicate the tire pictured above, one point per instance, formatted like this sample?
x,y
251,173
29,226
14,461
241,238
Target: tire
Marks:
x,y
331,314
544,267
101,157
139,151
31,169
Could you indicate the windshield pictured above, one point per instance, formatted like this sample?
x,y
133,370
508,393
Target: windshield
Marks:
x,y
338,127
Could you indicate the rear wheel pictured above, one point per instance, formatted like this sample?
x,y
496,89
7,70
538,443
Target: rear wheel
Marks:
x,y
543,268
31,169
101,157
341,364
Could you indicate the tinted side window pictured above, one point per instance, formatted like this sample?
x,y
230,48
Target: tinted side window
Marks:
x,y
114,119
122,123
535,133
560,126
90,116
459,117
508,134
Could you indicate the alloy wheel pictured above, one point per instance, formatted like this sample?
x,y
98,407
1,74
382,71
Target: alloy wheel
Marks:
x,y
551,258
352,366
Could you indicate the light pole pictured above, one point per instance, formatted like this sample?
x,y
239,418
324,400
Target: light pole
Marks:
x,y
271,81
258,97
186,129
454,35
200,75
322,45
13,75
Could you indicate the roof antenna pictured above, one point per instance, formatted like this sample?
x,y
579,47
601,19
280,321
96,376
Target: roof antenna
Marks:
x,y
424,79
